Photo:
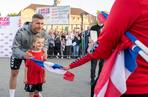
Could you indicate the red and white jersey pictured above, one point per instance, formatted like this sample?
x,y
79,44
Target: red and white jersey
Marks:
x,y
35,73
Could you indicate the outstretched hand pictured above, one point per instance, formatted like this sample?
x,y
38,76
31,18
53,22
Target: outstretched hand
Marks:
x,y
66,67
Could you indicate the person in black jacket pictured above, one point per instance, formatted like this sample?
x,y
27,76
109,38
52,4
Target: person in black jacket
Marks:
x,y
96,29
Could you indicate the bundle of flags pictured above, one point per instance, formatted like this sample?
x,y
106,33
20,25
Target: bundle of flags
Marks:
x,y
54,68
119,66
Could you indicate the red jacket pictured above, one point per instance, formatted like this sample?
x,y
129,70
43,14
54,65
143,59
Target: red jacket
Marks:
x,y
125,15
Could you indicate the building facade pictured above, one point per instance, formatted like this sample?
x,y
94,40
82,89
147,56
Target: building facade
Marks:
x,y
79,19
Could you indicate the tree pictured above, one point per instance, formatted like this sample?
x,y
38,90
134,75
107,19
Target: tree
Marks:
x,y
12,14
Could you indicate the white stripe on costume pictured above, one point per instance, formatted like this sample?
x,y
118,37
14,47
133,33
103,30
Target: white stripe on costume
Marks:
x,y
118,73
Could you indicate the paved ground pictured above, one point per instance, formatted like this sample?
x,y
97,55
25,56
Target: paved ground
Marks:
x,y
55,86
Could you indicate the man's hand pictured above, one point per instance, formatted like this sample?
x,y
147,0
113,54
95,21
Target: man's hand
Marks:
x,y
28,55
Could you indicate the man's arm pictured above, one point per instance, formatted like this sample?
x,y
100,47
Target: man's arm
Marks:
x,y
17,52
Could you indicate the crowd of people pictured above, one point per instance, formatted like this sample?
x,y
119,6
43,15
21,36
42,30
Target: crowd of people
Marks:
x,y
66,44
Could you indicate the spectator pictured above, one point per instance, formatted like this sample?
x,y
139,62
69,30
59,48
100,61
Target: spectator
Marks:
x,y
51,44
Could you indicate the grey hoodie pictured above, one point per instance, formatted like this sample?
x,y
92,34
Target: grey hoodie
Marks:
x,y
23,41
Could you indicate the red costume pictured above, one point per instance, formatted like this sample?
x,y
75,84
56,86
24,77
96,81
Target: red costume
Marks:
x,y
125,15
35,73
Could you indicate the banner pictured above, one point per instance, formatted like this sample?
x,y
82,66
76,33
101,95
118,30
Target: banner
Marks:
x,y
55,15
8,29
4,21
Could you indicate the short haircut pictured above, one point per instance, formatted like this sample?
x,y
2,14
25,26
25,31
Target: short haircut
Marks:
x,y
38,16
35,37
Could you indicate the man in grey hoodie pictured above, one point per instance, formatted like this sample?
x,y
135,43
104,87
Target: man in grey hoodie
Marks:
x,y
21,44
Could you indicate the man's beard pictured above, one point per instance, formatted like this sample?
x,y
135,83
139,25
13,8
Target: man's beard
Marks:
x,y
35,32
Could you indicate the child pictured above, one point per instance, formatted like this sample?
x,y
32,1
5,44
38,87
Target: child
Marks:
x,y
34,74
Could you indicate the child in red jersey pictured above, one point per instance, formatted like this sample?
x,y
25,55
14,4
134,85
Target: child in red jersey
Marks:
x,y
34,74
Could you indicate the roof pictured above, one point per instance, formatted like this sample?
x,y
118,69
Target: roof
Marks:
x,y
78,11
34,6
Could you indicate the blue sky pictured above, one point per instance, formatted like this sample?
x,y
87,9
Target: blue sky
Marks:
x,y
8,6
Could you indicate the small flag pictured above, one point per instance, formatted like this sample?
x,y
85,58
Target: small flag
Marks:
x,y
55,68
139,46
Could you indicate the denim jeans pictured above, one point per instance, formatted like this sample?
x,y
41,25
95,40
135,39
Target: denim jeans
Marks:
x,y
76,50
